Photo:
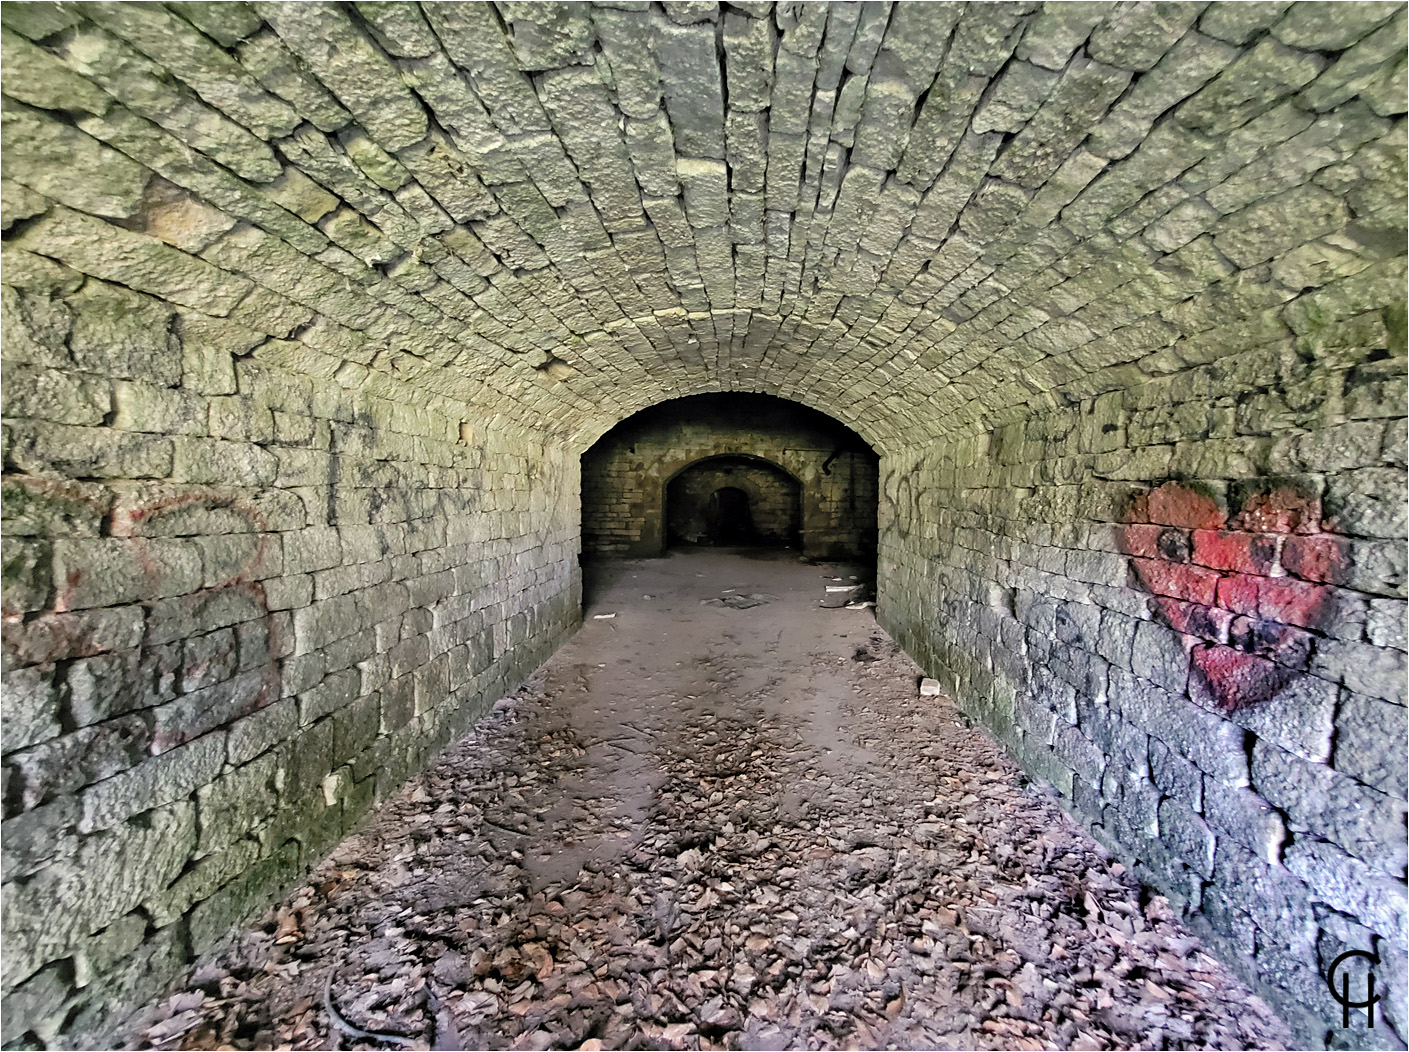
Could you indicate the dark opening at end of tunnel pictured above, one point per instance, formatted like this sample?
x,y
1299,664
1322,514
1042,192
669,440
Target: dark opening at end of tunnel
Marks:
x,y
754,475
730,520
734,501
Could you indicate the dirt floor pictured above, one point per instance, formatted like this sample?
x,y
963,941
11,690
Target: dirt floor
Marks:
x,y
720,817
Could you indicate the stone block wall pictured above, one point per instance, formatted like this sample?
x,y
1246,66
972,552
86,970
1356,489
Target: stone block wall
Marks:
x,y
249,587
1183,606
625,474
279,271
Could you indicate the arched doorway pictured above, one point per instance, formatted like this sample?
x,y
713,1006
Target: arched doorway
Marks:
x,y
627,473
733,501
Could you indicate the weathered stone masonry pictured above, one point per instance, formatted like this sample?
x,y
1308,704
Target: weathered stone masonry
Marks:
x,y
235,617
734,500
1210,670
311,310
625,475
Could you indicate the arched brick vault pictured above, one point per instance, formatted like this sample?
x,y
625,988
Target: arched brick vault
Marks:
x,y
949,214
1043,257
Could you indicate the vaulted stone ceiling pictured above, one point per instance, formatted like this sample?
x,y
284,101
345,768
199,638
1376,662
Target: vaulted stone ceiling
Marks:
x,y
916,217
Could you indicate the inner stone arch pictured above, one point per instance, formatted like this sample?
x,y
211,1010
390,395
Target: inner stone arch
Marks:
x,y
628,474
733,501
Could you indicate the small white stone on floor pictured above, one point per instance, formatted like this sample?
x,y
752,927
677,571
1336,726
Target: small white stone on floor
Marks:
x,y
603,617
929,688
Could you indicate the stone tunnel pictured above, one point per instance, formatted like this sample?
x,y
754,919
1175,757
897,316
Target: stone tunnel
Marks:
x,y
315,314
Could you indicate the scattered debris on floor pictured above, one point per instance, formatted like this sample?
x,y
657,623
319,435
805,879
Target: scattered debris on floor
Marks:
x,y
835,601
743,842
740,602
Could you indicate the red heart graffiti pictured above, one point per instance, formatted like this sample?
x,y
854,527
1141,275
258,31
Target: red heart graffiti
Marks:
x,y
1248,591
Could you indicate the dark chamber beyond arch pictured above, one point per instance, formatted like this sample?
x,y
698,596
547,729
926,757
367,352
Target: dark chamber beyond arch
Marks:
x,y
734,500
810,482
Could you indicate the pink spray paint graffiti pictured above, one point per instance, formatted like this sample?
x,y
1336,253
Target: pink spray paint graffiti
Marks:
x,y
231,595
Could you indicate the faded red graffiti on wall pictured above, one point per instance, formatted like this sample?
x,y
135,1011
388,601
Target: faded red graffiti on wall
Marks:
x,y
235,590
1248,590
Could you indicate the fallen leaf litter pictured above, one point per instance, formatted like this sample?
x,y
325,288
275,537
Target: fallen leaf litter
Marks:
x,y
758,889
